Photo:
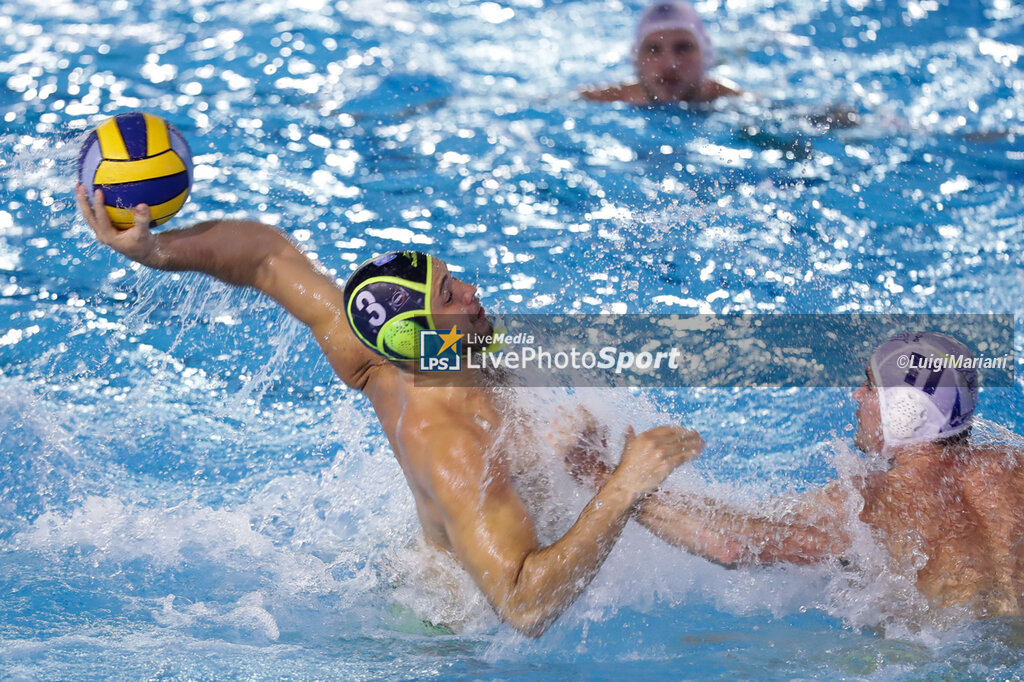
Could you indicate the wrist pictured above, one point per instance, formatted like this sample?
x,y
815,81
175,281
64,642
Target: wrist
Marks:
x,y
158,257
151,252
624,487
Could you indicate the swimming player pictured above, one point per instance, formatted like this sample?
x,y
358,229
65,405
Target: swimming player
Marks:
x,y
672,56
947,510
444,437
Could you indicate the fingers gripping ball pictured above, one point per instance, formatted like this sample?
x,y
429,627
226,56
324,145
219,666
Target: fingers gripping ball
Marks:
x,y
137,158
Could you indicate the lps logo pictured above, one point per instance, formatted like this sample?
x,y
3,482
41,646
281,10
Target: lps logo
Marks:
x,y
440,352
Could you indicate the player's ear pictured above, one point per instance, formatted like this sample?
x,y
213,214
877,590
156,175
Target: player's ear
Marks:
x,y
402,339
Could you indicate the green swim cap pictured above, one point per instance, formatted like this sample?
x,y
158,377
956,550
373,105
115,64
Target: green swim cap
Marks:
x,y
387,301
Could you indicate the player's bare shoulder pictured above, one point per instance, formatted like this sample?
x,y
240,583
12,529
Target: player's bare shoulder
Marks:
x,y
993,479
631,93
990,463
712,90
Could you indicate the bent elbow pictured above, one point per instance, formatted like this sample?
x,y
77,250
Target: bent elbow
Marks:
x,y
528,624
803,550
730,555
532,630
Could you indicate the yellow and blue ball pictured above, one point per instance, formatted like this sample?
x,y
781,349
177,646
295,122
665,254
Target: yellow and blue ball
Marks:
x,y
137,158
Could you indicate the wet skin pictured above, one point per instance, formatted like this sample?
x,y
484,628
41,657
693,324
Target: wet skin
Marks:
x,y
950,514
444,437
669,68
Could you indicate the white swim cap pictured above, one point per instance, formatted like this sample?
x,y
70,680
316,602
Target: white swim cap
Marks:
x,y
922,393
677,14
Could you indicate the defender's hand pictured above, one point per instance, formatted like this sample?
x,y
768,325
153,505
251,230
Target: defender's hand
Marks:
x,y
137,242
650,457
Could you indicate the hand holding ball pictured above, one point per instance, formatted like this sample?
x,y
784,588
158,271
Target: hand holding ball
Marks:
x,y
137,158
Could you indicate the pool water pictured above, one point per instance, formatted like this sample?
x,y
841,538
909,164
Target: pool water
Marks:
x,y
186,491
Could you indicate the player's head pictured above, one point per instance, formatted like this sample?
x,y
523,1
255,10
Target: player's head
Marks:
x,y
915,392
388,302
389,299
671,51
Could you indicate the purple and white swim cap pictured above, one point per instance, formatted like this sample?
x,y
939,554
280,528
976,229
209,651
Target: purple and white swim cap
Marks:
x,y
668,16
924,390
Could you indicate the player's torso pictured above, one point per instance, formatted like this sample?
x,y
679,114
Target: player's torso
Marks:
x,y
406,410
959,530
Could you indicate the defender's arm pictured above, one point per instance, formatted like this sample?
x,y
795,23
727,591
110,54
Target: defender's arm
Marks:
x,y
810,531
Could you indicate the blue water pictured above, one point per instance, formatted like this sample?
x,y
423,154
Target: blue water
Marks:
x,y
187,492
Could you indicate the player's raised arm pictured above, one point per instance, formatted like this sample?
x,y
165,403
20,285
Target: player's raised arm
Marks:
x,y
243,253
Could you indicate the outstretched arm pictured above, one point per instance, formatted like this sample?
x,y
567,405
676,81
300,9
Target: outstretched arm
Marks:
x,y
810,530
247,254
527,585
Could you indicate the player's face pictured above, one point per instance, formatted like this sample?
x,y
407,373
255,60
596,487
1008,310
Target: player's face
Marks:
x,y
868,437
669,65
457,303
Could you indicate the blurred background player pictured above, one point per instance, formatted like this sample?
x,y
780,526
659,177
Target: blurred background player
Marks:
x,y
672,55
